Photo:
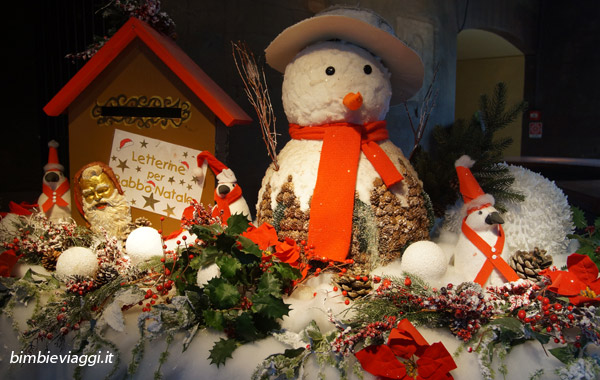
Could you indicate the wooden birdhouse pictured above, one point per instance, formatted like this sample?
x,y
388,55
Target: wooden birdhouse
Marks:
x,y
145,108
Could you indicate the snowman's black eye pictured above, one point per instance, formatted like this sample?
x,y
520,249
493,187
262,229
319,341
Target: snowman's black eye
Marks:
x,y
368,69
480,212
330,70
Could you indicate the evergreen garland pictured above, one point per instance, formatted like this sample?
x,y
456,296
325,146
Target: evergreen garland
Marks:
x,y
477,139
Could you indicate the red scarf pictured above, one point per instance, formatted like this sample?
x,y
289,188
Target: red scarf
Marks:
x,y
493,255
223,203
55,196
332,203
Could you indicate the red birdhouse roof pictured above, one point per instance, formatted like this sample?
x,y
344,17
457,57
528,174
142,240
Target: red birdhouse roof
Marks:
x,y
180,63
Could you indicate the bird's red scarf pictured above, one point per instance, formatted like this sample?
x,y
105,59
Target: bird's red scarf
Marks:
x,y
55,196
332,203
222,208
493,255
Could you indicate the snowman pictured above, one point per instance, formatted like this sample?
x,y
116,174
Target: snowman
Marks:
x,y
342,186
480,253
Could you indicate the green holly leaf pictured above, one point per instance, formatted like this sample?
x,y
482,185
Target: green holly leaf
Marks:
x,y
248,246
269,306
579,218
564,354
206,233
222,350
222,294
197,300
214,319
225,243
236,224
245,328
287,272
292,353
269,284
542,338
228,266
509,323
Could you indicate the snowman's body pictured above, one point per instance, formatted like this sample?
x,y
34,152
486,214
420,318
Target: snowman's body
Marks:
x,y
316,84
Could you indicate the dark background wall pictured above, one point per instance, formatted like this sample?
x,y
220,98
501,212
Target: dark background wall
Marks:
x,y
559,41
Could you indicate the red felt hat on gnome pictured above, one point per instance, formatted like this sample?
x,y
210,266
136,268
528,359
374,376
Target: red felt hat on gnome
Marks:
x,y
473,195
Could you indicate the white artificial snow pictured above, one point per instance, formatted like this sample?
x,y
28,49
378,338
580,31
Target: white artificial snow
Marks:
x,y
77,261
142,244
206,274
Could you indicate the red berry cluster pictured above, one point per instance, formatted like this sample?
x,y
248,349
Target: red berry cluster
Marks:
x,y
553,318
152,296
80,287
348,339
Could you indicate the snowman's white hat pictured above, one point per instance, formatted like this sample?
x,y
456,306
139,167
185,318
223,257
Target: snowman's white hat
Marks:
x,y
361,27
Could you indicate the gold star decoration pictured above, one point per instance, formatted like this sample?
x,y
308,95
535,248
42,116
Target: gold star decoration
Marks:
x,y
171,180
122,165
143,144
132,201
185,154
114,158
138,169
189,187
181,182
150,201
169,210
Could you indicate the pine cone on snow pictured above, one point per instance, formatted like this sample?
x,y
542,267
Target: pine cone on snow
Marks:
x,y
354,285
528,264
106,273
49,259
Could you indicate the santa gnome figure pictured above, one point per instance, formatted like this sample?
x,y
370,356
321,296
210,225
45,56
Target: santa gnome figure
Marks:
x,y
228,194
55,200
480,253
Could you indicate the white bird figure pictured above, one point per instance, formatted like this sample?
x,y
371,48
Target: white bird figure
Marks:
x,y
480,253
340,68
228,194
55,200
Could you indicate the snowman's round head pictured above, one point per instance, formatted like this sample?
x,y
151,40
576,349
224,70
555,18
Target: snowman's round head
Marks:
x,y
320,77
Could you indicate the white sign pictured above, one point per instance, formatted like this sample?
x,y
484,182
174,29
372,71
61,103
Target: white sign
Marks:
x,y
156,176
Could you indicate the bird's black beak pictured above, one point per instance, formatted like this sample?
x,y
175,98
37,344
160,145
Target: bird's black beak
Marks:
x,y
223,190
494,218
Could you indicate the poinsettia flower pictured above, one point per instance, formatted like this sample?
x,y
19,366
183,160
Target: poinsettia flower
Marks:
x,y
579,282
264,236
434,361
287,251
406,341
8,259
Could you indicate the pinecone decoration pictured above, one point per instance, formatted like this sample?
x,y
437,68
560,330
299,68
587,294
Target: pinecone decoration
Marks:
x,y
356,286
528,264
142,222
49,259
106,273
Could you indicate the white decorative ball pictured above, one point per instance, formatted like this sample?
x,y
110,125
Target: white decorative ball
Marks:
x,y
207,274
77,261
426,260
143,244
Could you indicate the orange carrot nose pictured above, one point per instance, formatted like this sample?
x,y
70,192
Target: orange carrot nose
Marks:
x,y
353,101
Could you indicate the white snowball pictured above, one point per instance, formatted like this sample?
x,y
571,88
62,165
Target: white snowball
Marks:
x,y
207,274
79,261
142,244
426,260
